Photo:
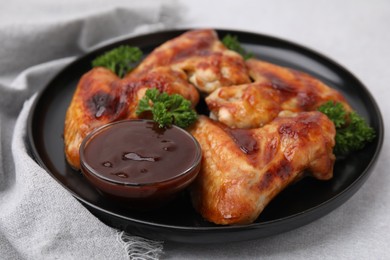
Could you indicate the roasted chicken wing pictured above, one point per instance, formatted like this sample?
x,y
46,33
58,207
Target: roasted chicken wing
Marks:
x,y
96,101
244,169
101,97
199,53
274,89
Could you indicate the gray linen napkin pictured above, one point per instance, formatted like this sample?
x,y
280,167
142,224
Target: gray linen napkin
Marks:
x,y
39,219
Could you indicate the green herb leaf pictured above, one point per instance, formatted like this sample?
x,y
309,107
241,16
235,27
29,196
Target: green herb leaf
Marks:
x,y
167,109
231,42
335,111
352,131
119,60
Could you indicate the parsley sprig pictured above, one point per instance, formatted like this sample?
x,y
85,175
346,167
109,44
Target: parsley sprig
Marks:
x,y
352,131
119,60
231,42
167,109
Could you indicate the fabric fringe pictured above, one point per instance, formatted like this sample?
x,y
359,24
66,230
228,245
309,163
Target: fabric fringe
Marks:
x,y
139,248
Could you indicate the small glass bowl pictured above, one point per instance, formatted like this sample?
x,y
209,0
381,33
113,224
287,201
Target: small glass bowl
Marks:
x,y
107,151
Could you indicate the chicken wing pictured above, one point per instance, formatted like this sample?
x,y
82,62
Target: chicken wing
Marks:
x,y
101,97
96,101
244,169
275,89
206,61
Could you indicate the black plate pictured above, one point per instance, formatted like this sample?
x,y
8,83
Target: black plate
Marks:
x,y
299,204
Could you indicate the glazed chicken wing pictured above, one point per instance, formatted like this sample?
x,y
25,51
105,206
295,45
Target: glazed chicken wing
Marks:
x,y
244,169
101,97
274,89
206,61
96,101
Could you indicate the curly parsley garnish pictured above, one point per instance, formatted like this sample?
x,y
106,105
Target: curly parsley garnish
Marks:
x,y
167,109
352,131
119,60
231,42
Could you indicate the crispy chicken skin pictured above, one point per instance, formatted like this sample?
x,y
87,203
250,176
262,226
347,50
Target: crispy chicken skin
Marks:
x,y
244,169
274,89
101,97
206,61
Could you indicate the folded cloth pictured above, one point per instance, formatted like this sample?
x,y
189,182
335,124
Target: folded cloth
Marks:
x,y
39,219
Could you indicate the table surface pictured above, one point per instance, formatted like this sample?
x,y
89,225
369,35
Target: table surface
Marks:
x,y
354,34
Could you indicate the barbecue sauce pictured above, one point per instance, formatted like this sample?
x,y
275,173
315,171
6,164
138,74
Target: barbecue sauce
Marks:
x,y
140,153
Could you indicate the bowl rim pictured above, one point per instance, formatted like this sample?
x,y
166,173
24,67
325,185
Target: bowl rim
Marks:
x,y
84,165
